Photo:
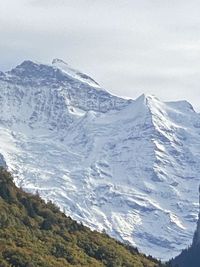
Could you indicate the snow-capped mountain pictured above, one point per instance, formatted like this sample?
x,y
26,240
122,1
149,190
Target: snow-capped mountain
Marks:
x,y
130,167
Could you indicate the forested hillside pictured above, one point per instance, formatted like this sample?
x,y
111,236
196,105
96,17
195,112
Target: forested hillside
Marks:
x,y
34,233
188,258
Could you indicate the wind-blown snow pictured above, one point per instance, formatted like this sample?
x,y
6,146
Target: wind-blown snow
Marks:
x,y
65,68
130,167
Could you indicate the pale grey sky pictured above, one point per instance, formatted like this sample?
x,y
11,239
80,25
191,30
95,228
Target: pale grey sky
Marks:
x,y
129,46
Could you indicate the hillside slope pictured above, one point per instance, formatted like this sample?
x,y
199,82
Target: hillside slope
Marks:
x,y
130,167
36,234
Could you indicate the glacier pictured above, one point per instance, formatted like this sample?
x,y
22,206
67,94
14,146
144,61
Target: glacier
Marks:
x,y
129,167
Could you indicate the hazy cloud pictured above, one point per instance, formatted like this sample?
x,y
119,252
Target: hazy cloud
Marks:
x,y
128,46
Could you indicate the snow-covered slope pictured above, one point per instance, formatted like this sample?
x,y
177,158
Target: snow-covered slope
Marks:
x,y
130,167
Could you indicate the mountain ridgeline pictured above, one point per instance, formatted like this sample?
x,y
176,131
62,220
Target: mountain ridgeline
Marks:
x,y
36,234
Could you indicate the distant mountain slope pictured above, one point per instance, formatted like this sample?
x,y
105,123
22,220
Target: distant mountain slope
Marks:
x,y
35,234
130,167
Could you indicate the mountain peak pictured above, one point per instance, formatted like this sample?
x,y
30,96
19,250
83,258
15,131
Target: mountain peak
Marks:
x,y
147,100
28,63
59,69
146,97
25,64
33,71
76,74
56,61
61,64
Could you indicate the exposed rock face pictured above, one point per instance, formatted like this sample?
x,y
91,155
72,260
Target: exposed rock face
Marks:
x,y
130,167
